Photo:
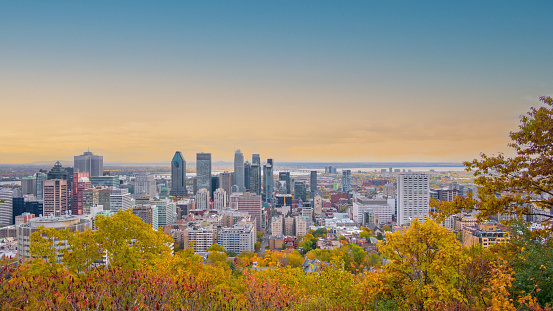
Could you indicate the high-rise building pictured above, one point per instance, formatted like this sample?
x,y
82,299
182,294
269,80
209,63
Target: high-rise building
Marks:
x,y
251,203
276,225
238,238
166,212
239,170
56,197
105,181
247,176
318,204
220,199
202,199
301,225
104,196
285,177
6,207
255,179
120,199
178,175
413,194
214,185
145,185
80,183
58,172
226,180
40,178
28,185
91,198
346,180
289,228
313,184
90,163
203,171
256,160
268,183
299,191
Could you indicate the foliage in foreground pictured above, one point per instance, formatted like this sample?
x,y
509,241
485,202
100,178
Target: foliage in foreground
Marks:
x,y
427,270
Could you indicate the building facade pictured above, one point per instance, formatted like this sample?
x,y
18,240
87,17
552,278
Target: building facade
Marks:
x,y
203,171
239,170
413,195
56,197
89,163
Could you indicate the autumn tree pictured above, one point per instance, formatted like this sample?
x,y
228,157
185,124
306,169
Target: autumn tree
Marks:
x,y
518,185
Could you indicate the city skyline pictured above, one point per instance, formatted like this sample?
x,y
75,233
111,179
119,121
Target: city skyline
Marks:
x,y
296,81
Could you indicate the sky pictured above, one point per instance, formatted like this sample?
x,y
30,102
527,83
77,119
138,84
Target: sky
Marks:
x,y
340,81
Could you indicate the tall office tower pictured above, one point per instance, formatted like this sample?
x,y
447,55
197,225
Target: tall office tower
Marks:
x,y
313,184
220,199
58,172
413,194
289,226
203,171
28,185
56,197
251,203
91,197
145,185
90,163
247,176
268,183
214,185
40,178
346,180
226,180
80,183
202,199
178,176
255,179
104,198
239,170
256,160
120,199
166,212
285,176
6,207
299,191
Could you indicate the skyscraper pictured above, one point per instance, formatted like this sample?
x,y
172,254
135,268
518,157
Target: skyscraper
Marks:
x,y
178,175
56,197
255,179
80,183
239,170
256,160
226,180
58,172
90,163
40,178
251,203
285,176
203,171
6,207
214,185
346,180
145,184
413,195
299,191
202,199
268,183
247,174
220,199
313,184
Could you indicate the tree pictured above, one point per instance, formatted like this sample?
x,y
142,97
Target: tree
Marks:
x,y
518,185
216,247
365,234
259,235
257,246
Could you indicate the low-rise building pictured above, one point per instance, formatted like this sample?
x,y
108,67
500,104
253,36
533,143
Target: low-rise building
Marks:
x,y
486,235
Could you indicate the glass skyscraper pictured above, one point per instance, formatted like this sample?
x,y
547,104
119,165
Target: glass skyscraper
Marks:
x,y
239,170
90,163
178,175
203,171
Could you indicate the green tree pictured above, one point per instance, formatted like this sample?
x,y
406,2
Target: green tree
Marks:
x,y
257,246
216,247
